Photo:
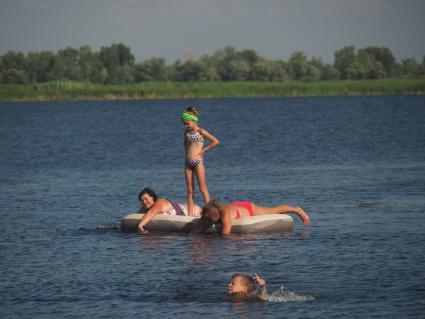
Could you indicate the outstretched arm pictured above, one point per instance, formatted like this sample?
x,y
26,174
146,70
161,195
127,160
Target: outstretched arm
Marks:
x,y
226,223
158,207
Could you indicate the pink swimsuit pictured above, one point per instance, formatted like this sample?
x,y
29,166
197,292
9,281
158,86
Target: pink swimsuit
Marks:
x,y
247,205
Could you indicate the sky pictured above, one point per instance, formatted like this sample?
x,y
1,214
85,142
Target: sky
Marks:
x,y
182,29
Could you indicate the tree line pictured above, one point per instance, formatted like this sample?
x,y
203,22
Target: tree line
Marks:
x,y
115,64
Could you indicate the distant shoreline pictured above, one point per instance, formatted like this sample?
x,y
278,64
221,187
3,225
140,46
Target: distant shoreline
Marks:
x,y
63,90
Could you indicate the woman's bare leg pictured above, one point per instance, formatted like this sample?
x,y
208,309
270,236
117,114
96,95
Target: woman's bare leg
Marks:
x,y
190,190
282,209
200,176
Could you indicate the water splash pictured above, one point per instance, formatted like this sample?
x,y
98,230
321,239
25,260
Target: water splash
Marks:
x,y
282,294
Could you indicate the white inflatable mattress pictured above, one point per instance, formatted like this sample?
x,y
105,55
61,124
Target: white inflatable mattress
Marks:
x,y
275,223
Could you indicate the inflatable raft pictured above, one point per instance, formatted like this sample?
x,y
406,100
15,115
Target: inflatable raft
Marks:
x,y
276,223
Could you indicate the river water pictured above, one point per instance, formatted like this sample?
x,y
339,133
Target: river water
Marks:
x,y
71,170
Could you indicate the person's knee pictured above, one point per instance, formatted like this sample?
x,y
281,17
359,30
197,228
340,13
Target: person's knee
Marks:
x,y
203,189
190,191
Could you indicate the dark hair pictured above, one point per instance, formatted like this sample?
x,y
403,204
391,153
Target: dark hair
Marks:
x,y
148,191
192,109
246,280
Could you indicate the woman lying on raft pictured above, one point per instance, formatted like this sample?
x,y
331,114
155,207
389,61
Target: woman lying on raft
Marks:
x,y
215,212
152,206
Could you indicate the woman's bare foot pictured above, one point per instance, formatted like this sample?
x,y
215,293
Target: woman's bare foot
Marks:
x,y
303,215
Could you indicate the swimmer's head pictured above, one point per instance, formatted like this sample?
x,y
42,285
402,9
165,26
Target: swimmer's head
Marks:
x,y
147,197
211,211
241,284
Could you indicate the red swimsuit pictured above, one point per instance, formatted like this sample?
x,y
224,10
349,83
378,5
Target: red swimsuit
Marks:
x,y
247,205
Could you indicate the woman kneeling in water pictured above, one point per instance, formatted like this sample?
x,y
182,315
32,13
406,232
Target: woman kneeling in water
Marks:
x,y
215,212
152,206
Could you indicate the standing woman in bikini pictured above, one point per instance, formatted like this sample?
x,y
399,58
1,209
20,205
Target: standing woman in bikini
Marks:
x,y
195,149
215,212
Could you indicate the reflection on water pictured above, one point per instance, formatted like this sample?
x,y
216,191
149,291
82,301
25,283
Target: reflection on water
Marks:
x,y
200,250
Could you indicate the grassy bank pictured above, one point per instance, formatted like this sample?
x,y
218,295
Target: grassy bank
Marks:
x,y
80,91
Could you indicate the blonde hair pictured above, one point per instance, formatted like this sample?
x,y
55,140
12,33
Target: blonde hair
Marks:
x,y
246,281
211,208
